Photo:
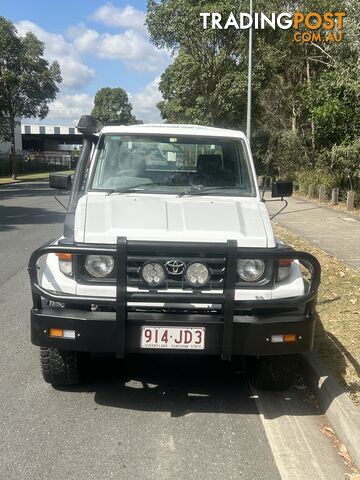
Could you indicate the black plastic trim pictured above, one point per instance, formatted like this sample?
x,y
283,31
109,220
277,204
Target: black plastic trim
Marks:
x,y
96,331
229,250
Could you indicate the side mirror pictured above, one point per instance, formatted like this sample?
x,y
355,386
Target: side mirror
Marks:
x,y
60,181
282,189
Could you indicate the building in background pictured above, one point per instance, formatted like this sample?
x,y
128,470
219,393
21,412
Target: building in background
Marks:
x,y
5,147
42,148
50,138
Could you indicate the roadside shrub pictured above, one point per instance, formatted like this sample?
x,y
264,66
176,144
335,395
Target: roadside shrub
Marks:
x,y
289,155
345,158
330,180
316,177
339,167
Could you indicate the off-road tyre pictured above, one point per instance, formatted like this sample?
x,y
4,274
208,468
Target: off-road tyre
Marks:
x,y
63,367
275,373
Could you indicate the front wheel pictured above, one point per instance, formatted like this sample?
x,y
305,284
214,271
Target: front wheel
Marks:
x,y
63,367
272,372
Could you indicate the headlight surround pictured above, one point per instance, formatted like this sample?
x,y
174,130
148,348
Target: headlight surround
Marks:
x,y
99,266
250,269
197,274
153,273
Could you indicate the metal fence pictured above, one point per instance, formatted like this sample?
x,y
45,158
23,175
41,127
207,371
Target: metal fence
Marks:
x,y
35,163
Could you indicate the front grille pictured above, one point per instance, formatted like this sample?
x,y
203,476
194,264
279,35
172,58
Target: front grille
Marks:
x,y
215,264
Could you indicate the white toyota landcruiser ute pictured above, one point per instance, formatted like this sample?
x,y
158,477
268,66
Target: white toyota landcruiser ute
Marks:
x,y
168,248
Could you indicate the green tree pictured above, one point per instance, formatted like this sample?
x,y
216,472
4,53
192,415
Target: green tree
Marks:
x,y
305,96
28,82
112,105
205,83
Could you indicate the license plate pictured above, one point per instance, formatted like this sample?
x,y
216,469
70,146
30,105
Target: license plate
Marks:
x,y
185,338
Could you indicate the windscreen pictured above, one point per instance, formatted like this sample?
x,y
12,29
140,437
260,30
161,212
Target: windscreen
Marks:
x,y
163,164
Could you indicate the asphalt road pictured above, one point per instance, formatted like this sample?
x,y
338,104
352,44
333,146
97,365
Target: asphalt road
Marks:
x,y
142,418
334,231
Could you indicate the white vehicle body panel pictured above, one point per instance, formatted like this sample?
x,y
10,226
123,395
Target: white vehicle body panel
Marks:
x,y
173,130
54,280
101,218
169,218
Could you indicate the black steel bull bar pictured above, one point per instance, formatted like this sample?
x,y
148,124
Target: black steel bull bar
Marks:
x,y
226,298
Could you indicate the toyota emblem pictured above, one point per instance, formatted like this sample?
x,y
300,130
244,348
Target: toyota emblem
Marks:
x,y
175,267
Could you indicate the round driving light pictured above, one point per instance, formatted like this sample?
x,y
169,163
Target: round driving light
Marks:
x,y
197,274
250,270
153,273
99,265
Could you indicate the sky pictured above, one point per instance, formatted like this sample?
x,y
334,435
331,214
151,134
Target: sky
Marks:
x,y
97,44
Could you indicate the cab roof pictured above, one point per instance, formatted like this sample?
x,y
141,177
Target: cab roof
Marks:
x,y
173,129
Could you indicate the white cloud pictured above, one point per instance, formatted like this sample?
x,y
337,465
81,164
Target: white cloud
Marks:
x,y
87,42
123,17
130,47
133,49
83,39
67,109
74,72
71,107
144,102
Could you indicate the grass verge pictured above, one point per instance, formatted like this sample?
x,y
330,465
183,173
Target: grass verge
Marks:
x,y
27,177
337,337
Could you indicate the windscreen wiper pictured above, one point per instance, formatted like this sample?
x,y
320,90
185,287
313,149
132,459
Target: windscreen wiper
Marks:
x,y
201,191
132,188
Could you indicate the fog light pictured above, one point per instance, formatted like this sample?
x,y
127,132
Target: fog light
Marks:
x,y
69,334
61,333
153,273
197,274
287,338
56,332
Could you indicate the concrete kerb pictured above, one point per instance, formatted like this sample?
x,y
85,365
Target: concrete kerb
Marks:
x,y
10,184
17,182
335,404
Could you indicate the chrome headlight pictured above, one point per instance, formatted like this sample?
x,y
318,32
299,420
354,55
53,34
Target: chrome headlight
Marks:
x,y
197,274
250,270
99,266
153,273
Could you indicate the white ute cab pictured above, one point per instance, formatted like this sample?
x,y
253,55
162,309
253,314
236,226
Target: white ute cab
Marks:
x,y
168,248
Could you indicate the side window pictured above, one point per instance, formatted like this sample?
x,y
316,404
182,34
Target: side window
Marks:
x,y
102,153
85,179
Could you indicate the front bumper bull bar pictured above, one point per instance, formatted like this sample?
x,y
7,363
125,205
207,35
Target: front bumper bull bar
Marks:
x,y
226,298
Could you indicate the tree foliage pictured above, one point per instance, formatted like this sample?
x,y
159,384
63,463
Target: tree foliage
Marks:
x,y
204,83
112,105
28,82
306,108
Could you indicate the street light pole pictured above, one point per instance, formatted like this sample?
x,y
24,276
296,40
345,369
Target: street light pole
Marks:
x,y
248,113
